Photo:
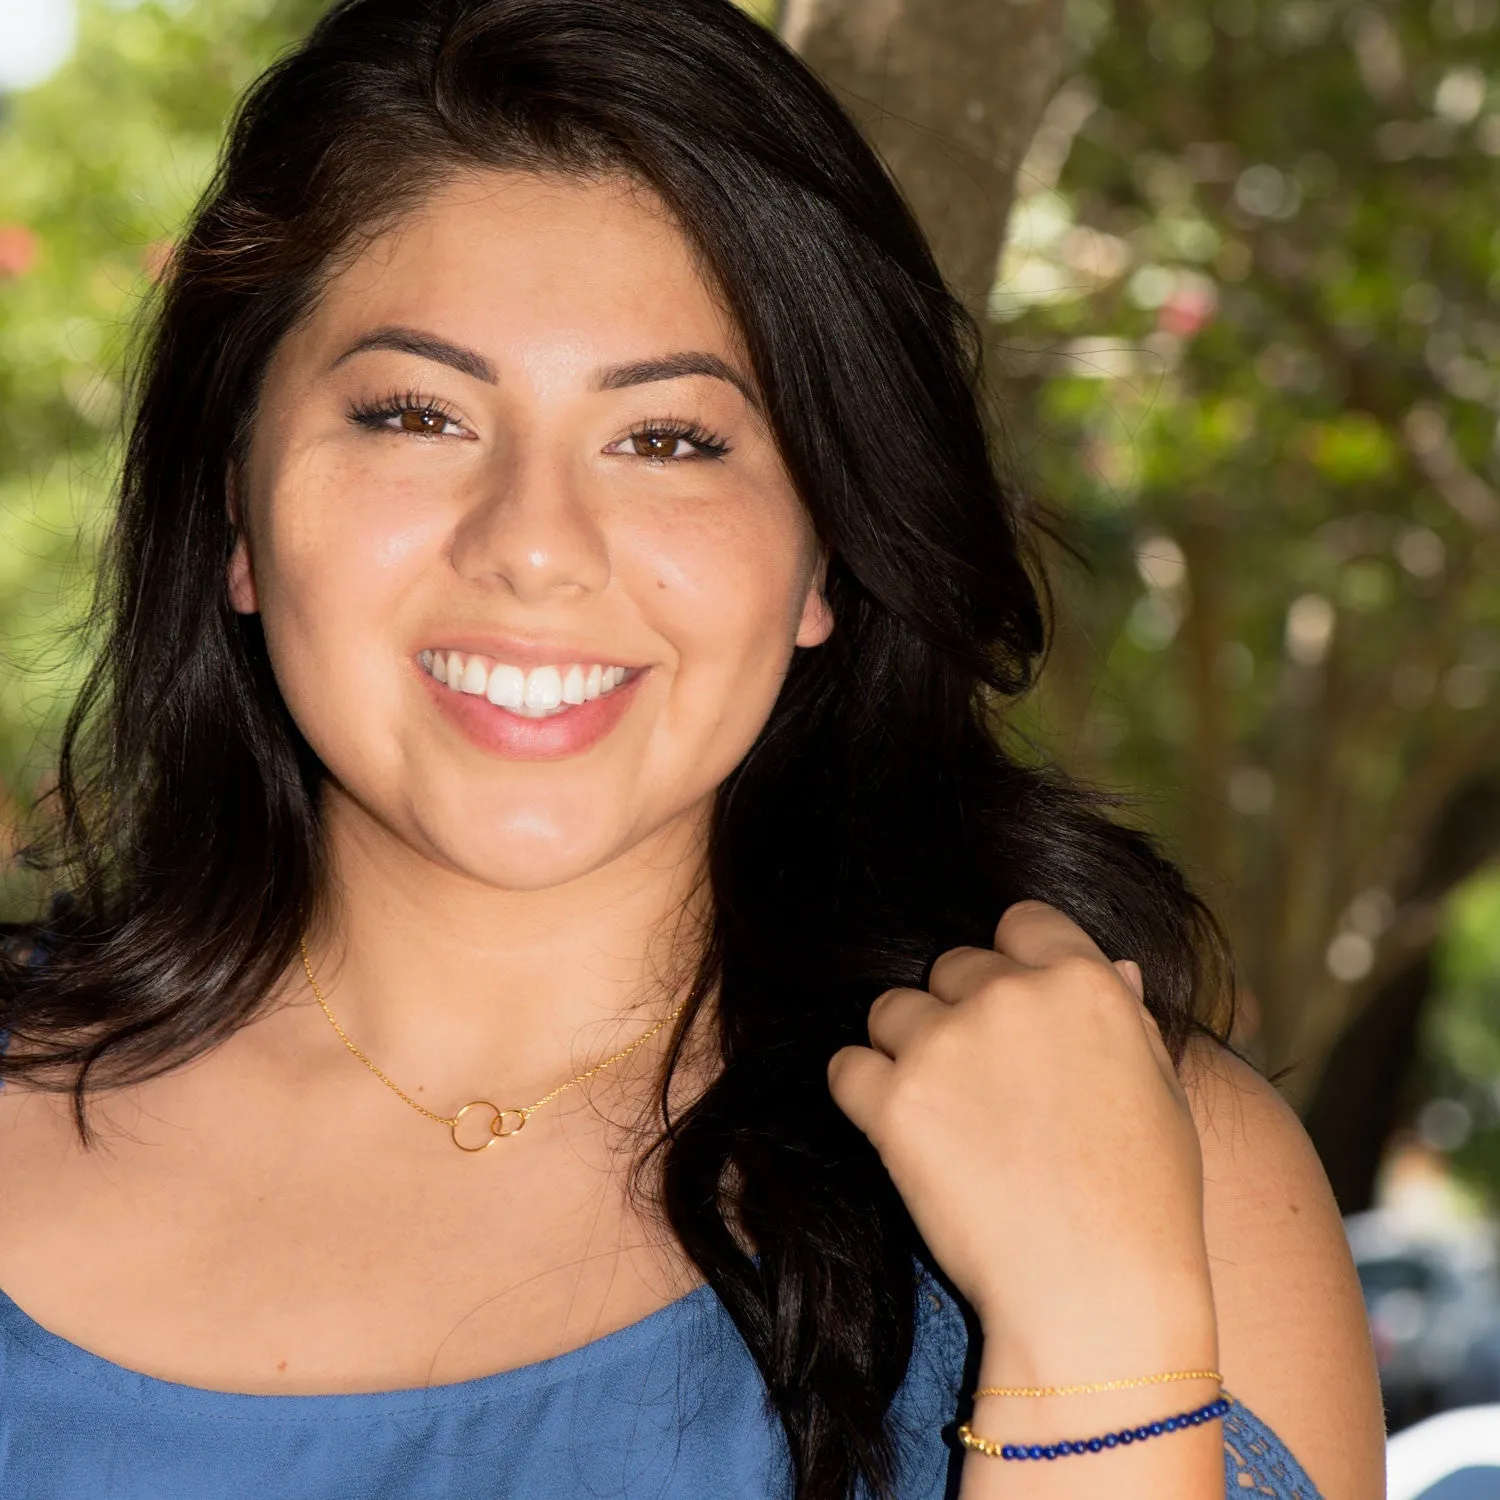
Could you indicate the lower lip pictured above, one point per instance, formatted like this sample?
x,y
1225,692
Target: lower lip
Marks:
x,y
497,731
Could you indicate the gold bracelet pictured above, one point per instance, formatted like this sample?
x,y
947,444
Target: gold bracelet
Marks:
x,y
1210,1411
1103,1385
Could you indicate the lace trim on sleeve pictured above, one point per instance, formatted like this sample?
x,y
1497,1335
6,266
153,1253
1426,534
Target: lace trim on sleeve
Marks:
x,y
1256,1461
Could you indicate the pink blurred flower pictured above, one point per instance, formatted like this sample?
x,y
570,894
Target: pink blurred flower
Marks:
x,y
1188,309
19,248
157,258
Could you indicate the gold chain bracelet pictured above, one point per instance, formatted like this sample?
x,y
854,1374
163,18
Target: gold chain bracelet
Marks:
x,y
1210,1411
1102,1385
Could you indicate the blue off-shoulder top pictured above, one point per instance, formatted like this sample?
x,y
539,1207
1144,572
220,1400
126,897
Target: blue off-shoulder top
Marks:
x,y
669,1408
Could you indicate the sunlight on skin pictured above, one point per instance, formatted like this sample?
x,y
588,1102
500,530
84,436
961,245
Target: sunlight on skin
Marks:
x,y
527,519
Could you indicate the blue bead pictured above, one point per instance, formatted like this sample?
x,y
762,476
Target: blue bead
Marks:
x,y
1156,1429
1095,1444
1142,1433
1110,1440
1170,1425
1034,1451
1069,1447
1127,1436
1007,1450
1195,1417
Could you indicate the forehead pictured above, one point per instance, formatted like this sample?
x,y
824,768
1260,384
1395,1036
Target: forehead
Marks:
x,y
533,270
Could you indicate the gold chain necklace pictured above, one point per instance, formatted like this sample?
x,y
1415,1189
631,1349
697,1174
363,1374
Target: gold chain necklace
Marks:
x,y
503,1122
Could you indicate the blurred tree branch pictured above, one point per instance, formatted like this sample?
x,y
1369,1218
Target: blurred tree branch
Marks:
x,y
1360,1090
1255,323
1246,307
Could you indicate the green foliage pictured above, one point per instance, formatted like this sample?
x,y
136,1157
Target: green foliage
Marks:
x,y
1251,298
1465,1029
98,167
1460,1043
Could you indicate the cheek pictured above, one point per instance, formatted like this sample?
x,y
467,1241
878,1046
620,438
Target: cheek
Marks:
x,y
337,555
726,586
336,544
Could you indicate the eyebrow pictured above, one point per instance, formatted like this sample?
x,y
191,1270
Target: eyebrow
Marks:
x,y
470,362
425,346
675,367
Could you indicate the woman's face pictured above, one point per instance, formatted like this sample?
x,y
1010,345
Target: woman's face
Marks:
x,y
530,568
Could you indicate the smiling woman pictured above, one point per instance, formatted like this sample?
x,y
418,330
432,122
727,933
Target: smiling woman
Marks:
x,y
560,607
590,457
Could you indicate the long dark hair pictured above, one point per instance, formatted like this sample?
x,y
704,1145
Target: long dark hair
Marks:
x,y
877,820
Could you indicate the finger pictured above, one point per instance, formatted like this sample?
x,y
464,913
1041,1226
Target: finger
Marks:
x,y
1156,1041
1130,971
960,971
899,1015
858,1078
1039,936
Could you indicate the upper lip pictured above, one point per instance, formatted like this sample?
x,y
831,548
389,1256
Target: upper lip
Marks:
x,y
525,651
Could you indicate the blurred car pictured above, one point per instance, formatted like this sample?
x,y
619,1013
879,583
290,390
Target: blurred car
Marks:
x,y
1433,1298
1454,1456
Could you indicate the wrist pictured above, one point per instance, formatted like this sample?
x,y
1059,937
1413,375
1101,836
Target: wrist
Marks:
x,y
1086,1344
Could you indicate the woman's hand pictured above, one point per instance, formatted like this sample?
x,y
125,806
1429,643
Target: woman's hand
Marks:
x,y
1029,1115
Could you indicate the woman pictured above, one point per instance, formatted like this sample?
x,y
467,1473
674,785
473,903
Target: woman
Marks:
x,y
559,601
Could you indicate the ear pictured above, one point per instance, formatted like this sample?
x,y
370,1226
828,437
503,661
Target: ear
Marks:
x,y
816,624
240,574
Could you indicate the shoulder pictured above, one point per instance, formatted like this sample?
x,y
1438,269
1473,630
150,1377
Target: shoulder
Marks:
x,y
1293,1336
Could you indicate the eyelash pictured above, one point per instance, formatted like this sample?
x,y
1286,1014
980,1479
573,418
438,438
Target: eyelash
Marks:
x,y
375,414
708,444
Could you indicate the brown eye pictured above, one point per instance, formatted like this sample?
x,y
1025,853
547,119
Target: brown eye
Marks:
x,y
655,444
424,421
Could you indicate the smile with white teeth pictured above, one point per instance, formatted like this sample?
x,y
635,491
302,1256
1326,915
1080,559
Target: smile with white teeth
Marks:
x,y
537,694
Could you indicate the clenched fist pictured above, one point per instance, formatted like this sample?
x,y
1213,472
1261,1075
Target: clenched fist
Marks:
x,y
1031,1119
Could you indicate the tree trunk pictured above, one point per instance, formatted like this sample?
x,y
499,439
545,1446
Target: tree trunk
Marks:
x,y
949,92
1361,1092
1360,1089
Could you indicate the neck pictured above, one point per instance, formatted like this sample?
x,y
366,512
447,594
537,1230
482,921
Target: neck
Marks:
x,y
467,989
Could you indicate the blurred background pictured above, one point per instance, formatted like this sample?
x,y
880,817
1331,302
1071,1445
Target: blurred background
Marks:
x,y
1238,266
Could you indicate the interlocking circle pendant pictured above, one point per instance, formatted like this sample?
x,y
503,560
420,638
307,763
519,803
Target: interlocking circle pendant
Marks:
x,y
503,1123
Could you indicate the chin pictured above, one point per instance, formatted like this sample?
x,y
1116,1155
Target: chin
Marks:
x,y
521,853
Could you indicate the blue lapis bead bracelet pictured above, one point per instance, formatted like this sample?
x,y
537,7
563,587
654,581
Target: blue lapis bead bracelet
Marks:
x,y
1121,1439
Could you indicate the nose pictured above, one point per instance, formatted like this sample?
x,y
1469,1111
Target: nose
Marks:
x,y
530,530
